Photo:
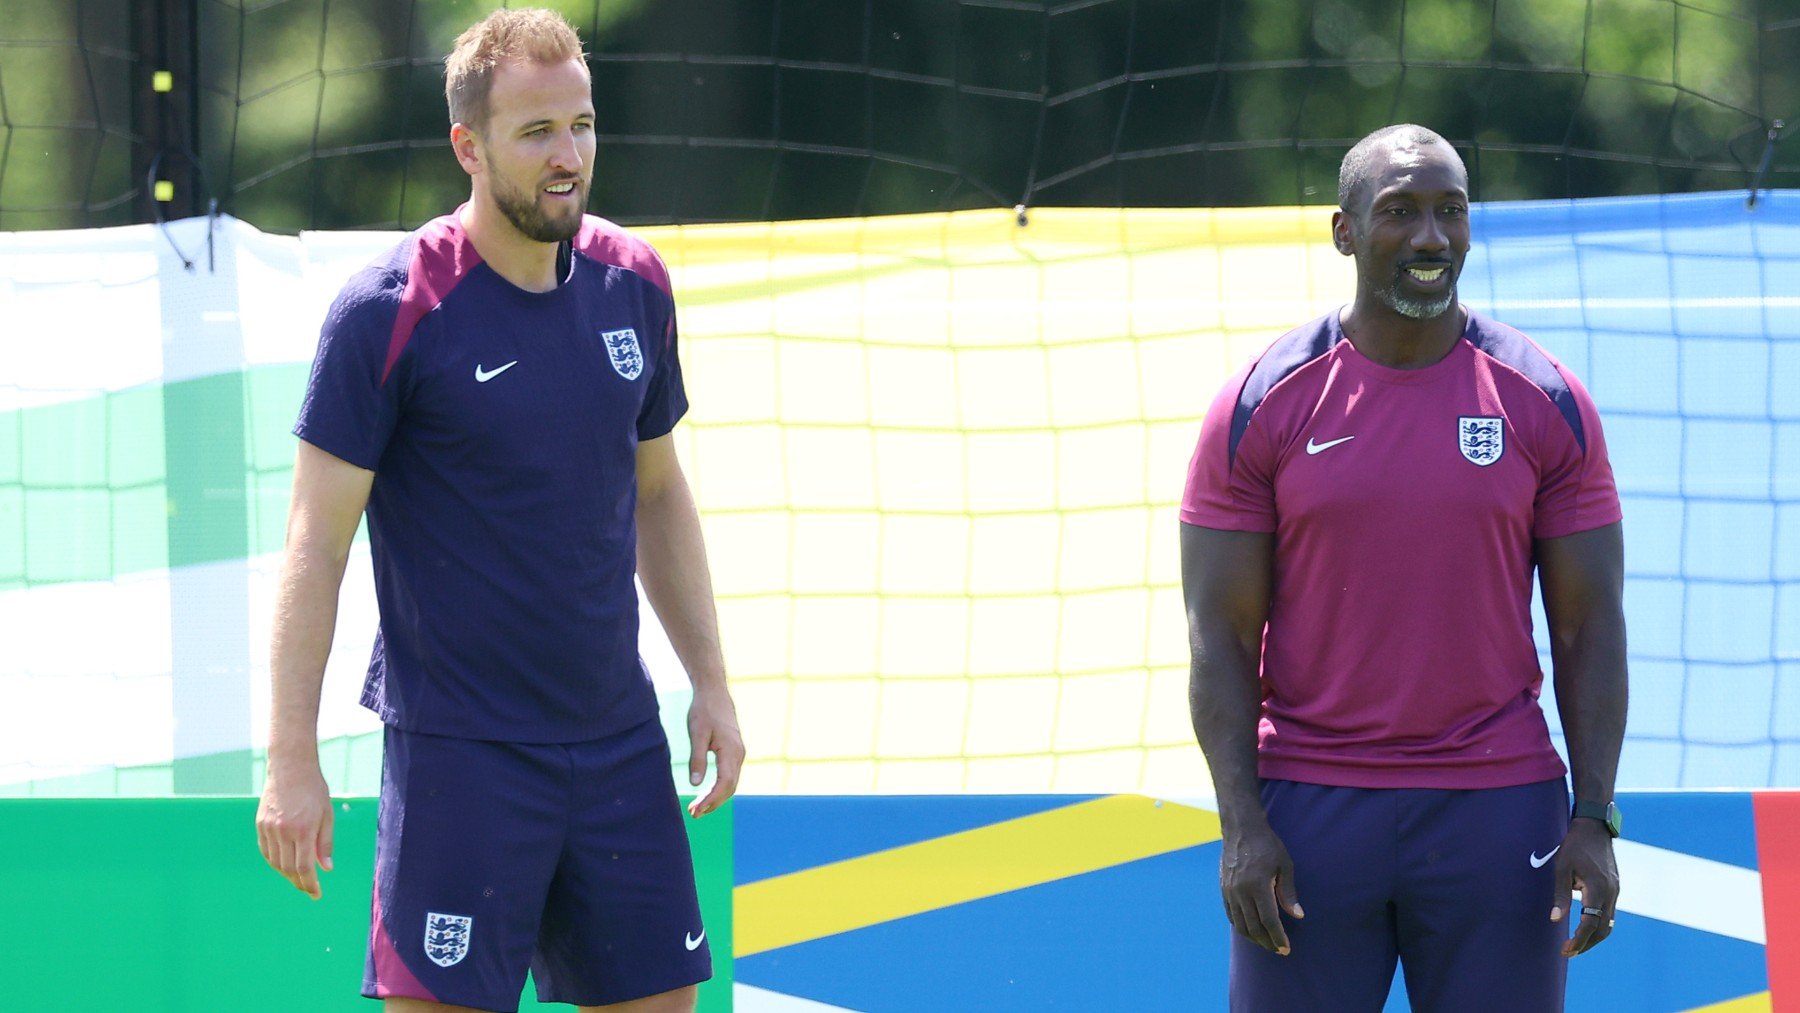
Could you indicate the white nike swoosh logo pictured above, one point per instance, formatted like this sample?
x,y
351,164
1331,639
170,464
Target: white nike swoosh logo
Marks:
x,y
1317,448
484,375
1538,863
693,941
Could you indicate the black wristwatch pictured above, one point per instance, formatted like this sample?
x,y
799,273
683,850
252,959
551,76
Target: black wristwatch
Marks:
x,y
1606,812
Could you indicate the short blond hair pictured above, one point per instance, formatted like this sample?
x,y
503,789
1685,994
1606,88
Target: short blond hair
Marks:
x,y
532,34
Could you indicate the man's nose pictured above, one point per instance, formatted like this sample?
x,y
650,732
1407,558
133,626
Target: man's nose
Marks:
x,y
567,152
1430,235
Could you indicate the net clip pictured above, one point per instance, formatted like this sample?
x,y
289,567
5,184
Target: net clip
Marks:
x,y
1768,157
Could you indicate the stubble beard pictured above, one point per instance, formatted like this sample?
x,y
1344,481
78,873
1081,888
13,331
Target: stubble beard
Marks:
x,y
1417,309
521,209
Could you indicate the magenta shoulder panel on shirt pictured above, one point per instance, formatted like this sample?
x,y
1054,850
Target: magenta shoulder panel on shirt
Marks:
x,y
442,256
608,243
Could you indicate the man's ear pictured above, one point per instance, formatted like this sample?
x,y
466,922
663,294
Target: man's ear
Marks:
x,y
467,148
1340,233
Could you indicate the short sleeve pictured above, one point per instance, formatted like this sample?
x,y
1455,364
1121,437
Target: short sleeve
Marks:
x,y
352,399
1227,490
665,402
1576,491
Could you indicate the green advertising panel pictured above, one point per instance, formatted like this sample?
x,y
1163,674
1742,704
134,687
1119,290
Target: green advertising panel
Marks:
x,y
166,905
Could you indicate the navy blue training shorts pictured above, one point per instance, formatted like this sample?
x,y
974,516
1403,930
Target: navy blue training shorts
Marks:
x,y
1442,880
569,859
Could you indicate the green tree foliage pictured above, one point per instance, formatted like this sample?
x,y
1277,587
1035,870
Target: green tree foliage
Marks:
x,y
65,122
329,113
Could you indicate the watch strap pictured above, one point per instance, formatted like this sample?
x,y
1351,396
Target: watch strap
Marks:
x,y
1606,812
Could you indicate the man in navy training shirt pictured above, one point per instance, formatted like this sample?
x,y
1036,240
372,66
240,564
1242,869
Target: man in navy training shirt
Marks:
x,y
1363,513
498,392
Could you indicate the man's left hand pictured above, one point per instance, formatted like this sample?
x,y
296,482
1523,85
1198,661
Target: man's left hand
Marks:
x,y
1585,863
713,728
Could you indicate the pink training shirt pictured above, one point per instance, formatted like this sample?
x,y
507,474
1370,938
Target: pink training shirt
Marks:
x,y
1404,503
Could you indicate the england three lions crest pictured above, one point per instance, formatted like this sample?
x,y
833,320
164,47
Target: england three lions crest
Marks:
x,y
1482,440
622,348
447,937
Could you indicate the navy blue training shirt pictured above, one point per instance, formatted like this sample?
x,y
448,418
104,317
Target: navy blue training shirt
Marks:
x,y
502,426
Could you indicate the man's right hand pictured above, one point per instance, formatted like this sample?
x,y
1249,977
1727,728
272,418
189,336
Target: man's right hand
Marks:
x,y
293,826
1256,877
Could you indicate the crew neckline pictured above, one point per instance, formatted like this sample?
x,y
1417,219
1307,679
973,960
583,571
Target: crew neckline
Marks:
x,y
1407,377
565,261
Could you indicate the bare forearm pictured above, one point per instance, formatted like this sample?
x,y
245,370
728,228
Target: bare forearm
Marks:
x,y
1225,578
305,617
1225,702
293,821
1591,696
672,565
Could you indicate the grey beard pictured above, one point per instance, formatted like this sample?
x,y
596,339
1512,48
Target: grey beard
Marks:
x,y
1418,309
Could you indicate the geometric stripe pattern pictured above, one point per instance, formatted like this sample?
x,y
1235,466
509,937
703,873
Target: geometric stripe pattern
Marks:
x,y
957,868
1115,897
